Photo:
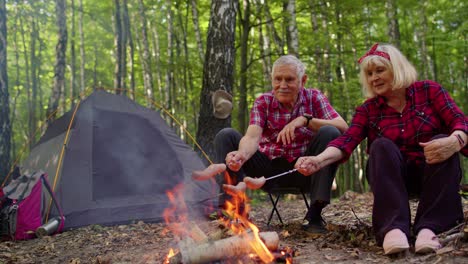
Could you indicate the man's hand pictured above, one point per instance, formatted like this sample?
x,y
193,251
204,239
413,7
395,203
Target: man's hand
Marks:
x,y
440,149
308,165
235,160
286,135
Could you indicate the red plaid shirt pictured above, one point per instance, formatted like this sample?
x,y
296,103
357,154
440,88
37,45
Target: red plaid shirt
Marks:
x,y
269,114
429,111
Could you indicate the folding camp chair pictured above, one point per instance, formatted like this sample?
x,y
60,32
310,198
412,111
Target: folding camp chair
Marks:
x,y
275,195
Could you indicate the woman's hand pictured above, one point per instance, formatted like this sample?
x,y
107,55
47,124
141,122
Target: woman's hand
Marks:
x,y
286,135
440,149
308,165
235,160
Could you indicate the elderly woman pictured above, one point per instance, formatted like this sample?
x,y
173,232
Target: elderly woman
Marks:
x,y
414,131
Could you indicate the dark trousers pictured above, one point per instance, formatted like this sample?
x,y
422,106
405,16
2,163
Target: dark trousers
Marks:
x,y
393,181
318,185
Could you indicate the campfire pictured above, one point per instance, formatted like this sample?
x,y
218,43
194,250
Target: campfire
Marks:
x,y
245,244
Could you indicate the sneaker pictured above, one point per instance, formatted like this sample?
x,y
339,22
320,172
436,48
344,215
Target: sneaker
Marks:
x,y
395,241
426,242
315,226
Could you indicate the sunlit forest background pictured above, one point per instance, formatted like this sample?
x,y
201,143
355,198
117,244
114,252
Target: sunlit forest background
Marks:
x,y
154,52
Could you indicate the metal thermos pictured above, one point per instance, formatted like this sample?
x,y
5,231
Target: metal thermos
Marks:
x,y
48,228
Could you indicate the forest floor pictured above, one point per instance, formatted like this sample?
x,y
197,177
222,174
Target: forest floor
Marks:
x,y
349,239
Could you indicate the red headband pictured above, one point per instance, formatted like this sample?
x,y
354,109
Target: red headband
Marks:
x,y
374,51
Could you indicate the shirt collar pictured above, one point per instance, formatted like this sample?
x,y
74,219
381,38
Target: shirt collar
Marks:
x,y
381,101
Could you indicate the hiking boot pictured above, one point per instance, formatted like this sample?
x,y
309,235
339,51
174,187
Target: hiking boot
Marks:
x,y
315,226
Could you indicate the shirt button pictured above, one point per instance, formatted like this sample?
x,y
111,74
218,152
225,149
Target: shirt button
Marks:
x,y
402,130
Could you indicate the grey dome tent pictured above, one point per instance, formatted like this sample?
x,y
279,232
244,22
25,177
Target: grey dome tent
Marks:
x,y
116,163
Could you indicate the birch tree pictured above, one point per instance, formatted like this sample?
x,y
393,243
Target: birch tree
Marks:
x,y
60,56
147,73
128,39
292,36
218,70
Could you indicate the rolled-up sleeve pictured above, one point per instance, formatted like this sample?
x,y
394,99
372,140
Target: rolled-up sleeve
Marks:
x,y
356,132
452,115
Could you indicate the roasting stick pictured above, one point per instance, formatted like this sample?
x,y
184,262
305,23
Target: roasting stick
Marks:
x,y
266,179
257,183
281,174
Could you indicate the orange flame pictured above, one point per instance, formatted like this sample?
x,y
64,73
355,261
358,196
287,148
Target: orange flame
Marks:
x,y
169,256
238,210
176,215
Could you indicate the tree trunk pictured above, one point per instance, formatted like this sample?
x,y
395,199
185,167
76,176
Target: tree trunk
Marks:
x,y
17,82
244,19
157,59
343,92
426,65
5,127
187,73
27,81
318,52
291,32
327,67
264,43
218,69
393,26
95,64
129,41
272,31
34,37
147,73
82,51
123,48
118,41
73,90
196,27
59,68
170,57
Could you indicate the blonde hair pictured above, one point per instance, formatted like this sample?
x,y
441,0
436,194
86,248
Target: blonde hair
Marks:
x,y
404,73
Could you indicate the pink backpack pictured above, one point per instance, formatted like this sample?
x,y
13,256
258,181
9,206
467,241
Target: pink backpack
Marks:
x,y
23,204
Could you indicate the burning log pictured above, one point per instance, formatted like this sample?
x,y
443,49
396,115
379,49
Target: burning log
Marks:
x,y
190,229
231,247
197,234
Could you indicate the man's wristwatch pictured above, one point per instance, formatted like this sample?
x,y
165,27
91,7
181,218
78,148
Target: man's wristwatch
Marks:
x,y
308,117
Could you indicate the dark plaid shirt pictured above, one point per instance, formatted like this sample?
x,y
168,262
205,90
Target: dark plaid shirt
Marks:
x,y
269,114
429,111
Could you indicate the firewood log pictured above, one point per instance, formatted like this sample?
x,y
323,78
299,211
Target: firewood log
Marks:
x,y
231,247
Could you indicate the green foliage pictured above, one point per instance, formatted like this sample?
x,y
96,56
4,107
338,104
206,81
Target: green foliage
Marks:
x,y
345,30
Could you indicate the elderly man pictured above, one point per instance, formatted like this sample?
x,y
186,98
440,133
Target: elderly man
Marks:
x,y
285,124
